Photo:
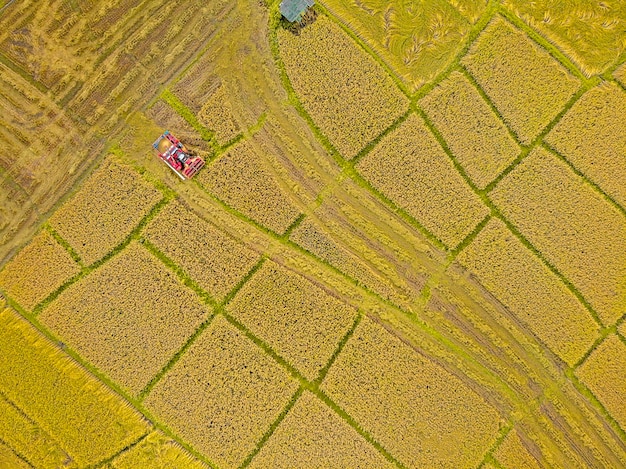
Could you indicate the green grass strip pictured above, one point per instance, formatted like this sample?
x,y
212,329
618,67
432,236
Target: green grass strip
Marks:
x,y
183,111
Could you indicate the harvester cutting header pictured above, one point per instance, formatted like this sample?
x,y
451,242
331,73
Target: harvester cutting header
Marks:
x,y
176,156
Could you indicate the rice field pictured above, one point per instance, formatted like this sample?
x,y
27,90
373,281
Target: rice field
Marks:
x,y
527,86
107,208
592,136
410,167
305,326
37,271
406,249
575,228
127,317
348,95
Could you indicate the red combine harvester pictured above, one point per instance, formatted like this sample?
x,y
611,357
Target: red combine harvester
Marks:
x,y
176,156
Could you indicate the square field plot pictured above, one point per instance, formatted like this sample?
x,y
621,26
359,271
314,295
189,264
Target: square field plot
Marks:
x,y
312,435
573,226
37,271
211,257
528,87
302,322
419,412
348,95
108,206
604,372
592,136
410,167
128,317
528,289
475,135
244,180
418,39
222,395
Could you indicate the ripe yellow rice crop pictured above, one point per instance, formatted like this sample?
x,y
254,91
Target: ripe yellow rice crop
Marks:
x,y
218,115
212,258
241,179
475,135
604,372
222,395
312,435
156,451
591,34
525,83
410,167
573,226
10,460
416,40
530,291
349,96
87,420
620,74
104,211
302,322
513,453
592,136
37,270
28,439
128,317
419,412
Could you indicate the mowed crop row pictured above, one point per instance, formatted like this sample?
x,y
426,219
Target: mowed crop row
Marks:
x,y
410,168
527,85
347,94
423,415
37,270
535,295
218,114
416,41
474,134
573,226
156,451
592,136
215,260
128,317
222,395
108,206
312,435
300,321
87,420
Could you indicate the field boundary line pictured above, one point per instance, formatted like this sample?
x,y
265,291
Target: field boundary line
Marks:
x,y
544,43
134,235
342,343
583,176
64,244
374,143
128,447
469,238
537,141
17,453
274,425
469,77
604,334
502,434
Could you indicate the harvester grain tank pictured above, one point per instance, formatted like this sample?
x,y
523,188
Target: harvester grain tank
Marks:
x,y
177,156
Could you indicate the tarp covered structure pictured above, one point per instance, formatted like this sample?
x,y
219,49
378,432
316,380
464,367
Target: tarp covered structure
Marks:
x,y
293,10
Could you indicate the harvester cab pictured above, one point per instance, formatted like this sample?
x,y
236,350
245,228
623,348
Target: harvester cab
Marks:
x,y
174,154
